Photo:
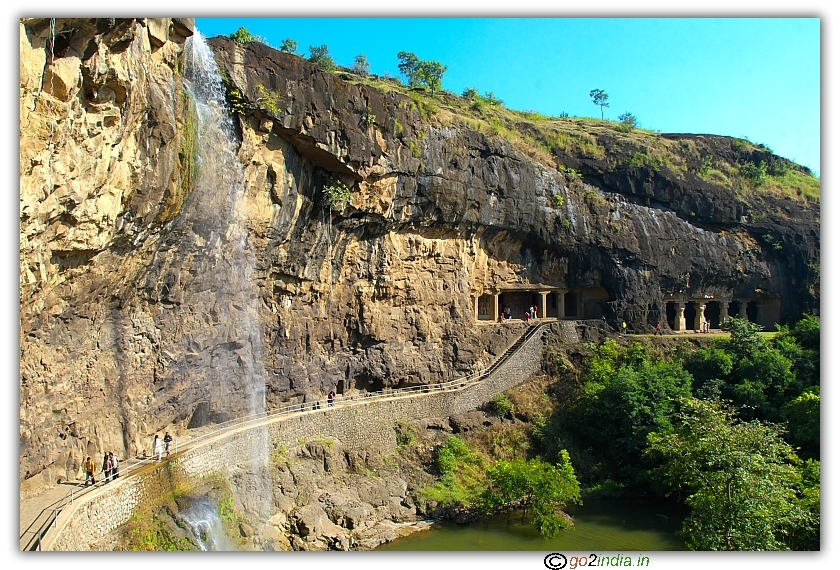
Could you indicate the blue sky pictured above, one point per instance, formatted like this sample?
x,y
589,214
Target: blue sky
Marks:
x,y
757,78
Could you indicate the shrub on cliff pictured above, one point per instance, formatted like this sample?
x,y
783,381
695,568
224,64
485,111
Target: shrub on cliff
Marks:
x,y
243,36
289,46
320,56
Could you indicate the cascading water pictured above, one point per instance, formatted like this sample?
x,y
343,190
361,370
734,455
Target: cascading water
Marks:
x,y
203,274
204,521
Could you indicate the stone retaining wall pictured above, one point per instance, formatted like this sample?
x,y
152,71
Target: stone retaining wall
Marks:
x,y
354,425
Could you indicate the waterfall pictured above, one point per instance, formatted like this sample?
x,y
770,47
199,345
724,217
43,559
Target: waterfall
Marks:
x,y
204,521
203,275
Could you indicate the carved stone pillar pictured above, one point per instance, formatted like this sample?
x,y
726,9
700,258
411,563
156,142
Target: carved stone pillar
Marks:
x,y
544,306
742,309
496,308
679,316
699,316
561,304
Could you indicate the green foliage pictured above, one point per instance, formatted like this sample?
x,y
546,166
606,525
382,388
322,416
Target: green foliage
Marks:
x,y
361,65
158,538
421,73
289,46
470,93
337,195
627,393
741,481
535,485
462,476
320,56
569,170
243,36
559,200
271,102
706,167
803,413
502,406
744,339
368,118
600,98
757,175
627,122
406,435
643,160
408,66
807,330
430,74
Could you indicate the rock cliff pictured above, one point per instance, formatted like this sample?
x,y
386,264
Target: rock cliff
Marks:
x,y
398,285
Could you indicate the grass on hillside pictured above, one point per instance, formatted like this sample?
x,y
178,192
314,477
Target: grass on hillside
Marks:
x,y
552,141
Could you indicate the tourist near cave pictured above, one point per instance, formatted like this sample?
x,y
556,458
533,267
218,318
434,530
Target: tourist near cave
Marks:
x,y
353,310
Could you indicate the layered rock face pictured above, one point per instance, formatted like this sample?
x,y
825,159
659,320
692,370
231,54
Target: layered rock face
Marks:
x,y
124,334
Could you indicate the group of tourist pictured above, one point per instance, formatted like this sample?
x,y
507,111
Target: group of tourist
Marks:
x,y
162,444
531,312
110,468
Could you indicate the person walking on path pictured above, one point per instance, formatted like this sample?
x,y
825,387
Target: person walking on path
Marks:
x,y
158,448
167,439
331,398
89,469
659,329
106,467
624,327
107,473
115,465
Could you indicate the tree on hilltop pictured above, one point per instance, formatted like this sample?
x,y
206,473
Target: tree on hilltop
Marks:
x,y
600,98
419,72
289,46
320,55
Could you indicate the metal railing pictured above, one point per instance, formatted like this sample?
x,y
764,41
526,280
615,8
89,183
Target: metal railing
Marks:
x,y
248,421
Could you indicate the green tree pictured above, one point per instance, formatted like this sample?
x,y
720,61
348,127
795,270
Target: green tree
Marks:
x,y
470,93
628,122
289,46
803,413
430,74
242,36
627,393
409,66
418,72
539,487
320,55
361,65
740,476
600,98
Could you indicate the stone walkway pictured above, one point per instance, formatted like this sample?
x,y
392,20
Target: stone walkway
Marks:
x,y
35,511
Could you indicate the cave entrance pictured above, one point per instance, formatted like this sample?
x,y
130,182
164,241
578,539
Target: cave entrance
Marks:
x,y
551,305
368,383
691,316
593,301
712,314
752,311
671,315
734,309
339,388
570,304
